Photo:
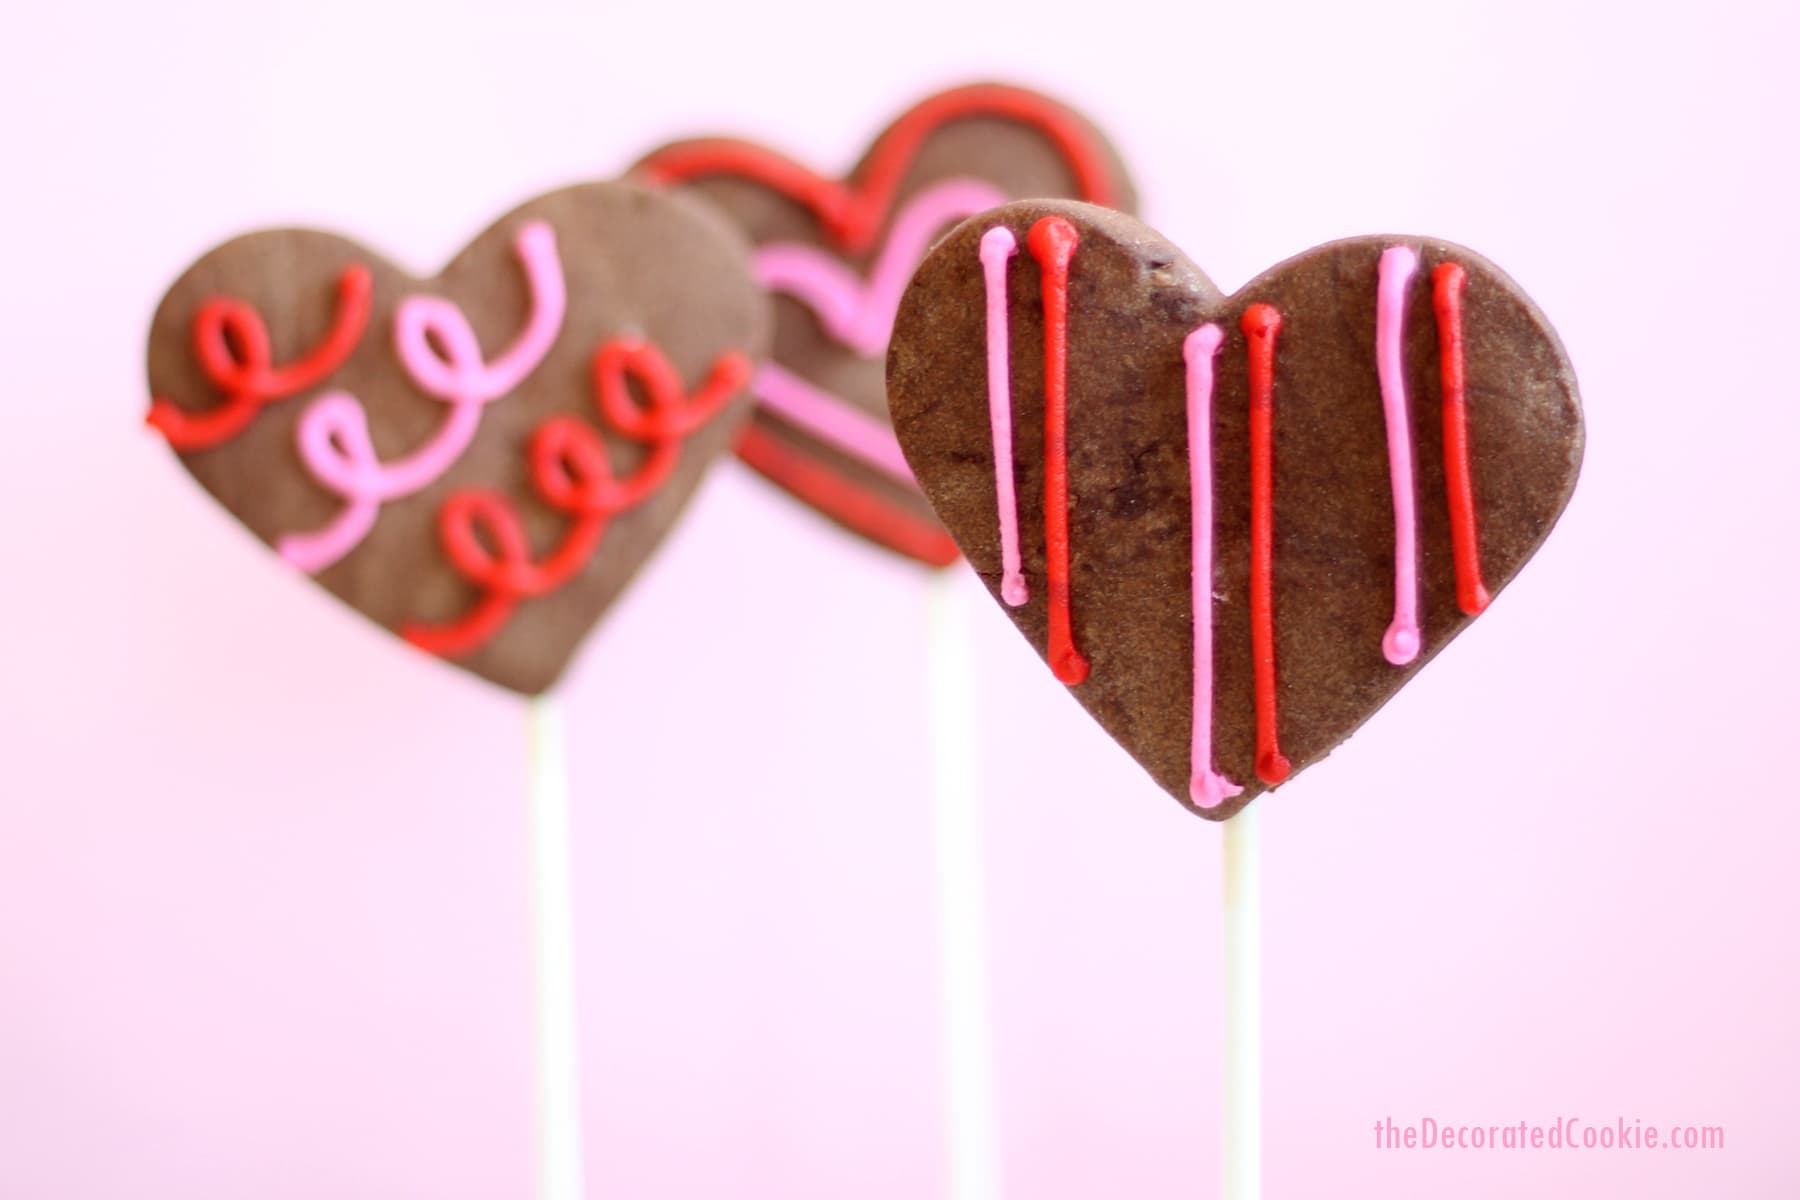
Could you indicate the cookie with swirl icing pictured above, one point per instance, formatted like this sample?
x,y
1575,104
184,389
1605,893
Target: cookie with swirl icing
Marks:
x,y
481,460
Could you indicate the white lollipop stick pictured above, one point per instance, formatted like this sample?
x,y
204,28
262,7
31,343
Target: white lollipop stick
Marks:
x,y
553,957
961,895
1243,1007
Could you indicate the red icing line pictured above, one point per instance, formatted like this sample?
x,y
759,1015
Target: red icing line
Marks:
x,y
1260,324
226,327
1447,282
573,474
851,212
1052,242
831,493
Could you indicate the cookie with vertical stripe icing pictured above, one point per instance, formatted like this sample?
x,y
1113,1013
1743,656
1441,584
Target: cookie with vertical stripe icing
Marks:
x,y
1234,526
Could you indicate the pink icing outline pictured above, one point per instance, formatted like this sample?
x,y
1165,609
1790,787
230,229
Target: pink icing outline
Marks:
x,y
333,436
859,315
1400,644
998,245
1206,786
829,419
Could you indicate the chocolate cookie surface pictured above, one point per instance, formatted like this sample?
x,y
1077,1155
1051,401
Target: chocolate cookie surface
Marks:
x,y
478,462
1235,526
836,255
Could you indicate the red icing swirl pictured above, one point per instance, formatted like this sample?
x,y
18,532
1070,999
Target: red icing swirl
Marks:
x,y
231,340
482,532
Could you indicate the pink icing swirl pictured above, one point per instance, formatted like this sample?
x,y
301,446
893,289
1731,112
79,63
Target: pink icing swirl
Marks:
x,y
333,436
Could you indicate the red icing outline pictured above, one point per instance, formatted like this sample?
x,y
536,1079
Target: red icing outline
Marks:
x,y
250,383
1052,242
573,474
867,513
1447,283
1261,322
851,213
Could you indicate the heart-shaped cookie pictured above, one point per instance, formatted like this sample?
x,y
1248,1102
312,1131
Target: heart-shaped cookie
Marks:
x,y
479,461
1235,526
836,254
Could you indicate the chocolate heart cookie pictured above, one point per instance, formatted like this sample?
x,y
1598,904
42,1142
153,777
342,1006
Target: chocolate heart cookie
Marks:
x,y
1234,526
836,254
479,461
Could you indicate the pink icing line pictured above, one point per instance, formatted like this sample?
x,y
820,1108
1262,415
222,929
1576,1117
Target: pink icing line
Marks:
x,y
1401,642
1207,786
998,245
858,314
829,419
334,437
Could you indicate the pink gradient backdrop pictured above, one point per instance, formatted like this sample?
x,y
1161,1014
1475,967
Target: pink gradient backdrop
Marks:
x,y
263,890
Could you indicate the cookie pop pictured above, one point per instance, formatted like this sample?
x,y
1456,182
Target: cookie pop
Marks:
x,y
836,254
1233,526
477,462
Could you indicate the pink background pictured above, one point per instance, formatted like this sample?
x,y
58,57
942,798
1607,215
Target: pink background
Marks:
x,y
263,889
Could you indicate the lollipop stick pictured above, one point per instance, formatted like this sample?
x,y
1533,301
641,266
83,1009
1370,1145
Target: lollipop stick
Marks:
x,y
553,953
1243,1007
961,895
